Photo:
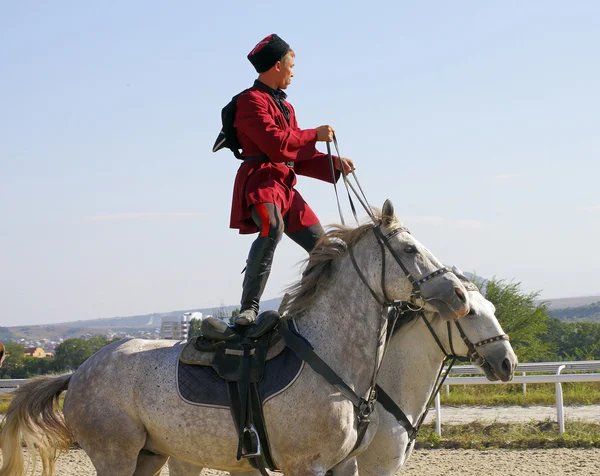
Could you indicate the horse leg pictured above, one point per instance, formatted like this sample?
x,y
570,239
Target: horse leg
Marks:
x,y
181,468
346,468
149,464
113,443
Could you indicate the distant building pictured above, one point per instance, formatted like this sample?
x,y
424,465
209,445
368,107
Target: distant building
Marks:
x,y
38,353
175,328
193,315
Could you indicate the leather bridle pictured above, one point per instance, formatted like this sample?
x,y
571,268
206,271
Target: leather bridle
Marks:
x,y
384,242
366,406
450,358
392,311
472,355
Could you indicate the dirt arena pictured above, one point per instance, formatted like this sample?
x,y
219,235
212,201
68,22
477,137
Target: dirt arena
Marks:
x,y
437,463
457,462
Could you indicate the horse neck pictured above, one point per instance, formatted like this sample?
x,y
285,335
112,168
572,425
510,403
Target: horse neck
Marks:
x,y
411,366
344,322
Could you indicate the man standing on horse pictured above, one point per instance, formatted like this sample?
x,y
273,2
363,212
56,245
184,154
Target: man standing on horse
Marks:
x,y
274,150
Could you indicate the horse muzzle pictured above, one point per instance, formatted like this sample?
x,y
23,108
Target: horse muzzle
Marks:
x,y
499,361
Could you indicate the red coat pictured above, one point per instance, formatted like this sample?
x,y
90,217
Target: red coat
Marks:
x,y
263,129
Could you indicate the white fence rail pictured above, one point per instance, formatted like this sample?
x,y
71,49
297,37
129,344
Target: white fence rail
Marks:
x,y
585,365
10,384
542,367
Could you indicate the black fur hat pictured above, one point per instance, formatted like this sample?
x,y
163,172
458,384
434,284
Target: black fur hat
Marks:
x,y
268,52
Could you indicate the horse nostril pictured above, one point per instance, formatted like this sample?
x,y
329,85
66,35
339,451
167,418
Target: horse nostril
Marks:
x,y
460,294
507,366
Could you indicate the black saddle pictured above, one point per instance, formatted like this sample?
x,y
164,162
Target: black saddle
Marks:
x,y
240,353
214,329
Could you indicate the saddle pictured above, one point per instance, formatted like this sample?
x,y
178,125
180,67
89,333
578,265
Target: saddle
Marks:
x,y
238,355
200,350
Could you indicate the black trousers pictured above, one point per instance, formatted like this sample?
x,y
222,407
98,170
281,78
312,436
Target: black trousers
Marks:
x,y
272,226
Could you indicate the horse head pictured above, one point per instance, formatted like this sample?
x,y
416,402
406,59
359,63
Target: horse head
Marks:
x,y
2,354
392,265
433,286
483,340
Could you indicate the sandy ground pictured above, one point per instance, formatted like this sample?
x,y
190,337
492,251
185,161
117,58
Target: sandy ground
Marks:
x,y
457,462
436,463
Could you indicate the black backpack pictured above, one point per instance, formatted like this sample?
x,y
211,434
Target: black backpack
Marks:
x,y
227,138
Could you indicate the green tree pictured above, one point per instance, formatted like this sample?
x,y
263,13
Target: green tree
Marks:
x,y
33,366
98,341
522,318
194,327
574,340
72,353
13,366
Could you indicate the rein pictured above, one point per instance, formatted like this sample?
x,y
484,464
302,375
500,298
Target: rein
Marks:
x,y
363,201
366,406
392,311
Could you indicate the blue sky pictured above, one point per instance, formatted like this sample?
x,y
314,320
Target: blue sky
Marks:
x,y
478,119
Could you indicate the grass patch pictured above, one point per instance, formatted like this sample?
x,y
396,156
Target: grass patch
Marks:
x,y
574,393
517,436
6,398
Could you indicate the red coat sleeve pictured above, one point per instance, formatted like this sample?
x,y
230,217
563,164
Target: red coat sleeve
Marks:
x,y
317,168
281,145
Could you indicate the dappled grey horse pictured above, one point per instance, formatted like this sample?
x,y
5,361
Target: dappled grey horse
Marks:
x,y
411,381
409,374
124,409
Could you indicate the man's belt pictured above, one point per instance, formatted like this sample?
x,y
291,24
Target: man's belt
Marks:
x,y
264,158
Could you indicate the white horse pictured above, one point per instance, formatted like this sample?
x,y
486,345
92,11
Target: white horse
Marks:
x,y
409,374
124,409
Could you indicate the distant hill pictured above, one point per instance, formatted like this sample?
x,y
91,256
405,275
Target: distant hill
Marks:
x,y
154,320
56,332
129,324
589,313
585,308
572,302
575,309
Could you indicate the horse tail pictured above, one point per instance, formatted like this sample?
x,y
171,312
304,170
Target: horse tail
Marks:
x,y
34,415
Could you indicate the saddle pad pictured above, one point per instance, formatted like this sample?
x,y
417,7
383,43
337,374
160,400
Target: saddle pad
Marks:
x,y
200,385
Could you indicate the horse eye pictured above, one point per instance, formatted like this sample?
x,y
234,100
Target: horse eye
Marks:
x,y
410,249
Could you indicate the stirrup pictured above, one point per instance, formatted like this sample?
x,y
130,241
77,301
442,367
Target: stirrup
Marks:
x,y
252,432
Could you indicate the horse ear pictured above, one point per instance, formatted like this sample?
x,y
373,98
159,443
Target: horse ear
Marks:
x,y
388,212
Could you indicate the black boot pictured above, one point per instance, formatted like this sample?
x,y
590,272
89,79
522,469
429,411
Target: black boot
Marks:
x,y
258,268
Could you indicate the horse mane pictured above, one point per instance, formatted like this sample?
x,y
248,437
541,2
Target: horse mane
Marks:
x,y
320,264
